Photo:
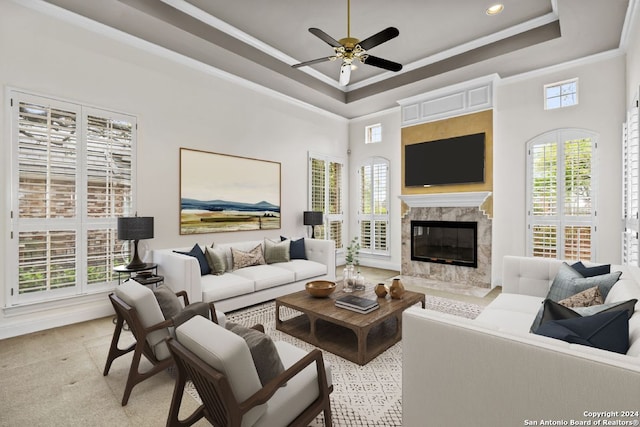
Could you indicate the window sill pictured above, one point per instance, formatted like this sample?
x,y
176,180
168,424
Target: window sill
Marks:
x,y
375,254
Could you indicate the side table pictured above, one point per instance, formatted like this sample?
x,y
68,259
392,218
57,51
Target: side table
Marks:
x,y
146,274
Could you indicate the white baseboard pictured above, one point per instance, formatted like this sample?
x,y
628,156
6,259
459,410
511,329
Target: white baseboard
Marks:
x,y
22,325
384,264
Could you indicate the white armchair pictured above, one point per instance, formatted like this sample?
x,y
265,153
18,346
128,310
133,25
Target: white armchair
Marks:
x,y
137,305
221,367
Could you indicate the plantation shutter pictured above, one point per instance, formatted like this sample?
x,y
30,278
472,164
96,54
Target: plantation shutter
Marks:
x,y
373,214
631,187
335,211
325,195
318,178
109,191
47,153
561,212
366,203
577,198
71,178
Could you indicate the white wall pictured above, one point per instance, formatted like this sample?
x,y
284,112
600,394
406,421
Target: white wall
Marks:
x,y
177,106
520,116
633,57
185,106
389,149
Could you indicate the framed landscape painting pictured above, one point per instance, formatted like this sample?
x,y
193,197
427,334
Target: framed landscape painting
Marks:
x,y
219,192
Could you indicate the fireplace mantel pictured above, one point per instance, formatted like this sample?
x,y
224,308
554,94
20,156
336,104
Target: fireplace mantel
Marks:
x,y
445,200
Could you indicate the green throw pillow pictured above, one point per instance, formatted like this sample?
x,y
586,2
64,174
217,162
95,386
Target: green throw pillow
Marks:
x,y
168,301
276,251
215,258
263,351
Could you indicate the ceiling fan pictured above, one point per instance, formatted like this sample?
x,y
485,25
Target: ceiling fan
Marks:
x,y
350,49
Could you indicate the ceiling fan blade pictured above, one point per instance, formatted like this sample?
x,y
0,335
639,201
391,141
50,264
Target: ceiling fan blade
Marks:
x,y
325,37
382,63
379,38
313,61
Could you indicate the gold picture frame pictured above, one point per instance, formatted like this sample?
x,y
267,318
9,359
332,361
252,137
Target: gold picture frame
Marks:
x,y
223,193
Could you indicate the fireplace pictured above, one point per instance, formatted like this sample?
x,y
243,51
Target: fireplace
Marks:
x,y
445,242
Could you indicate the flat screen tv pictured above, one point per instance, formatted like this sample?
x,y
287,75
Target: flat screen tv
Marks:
x,y
458,160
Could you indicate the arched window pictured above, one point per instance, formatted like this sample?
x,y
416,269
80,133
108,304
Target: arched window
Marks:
x,y
561,209
373,213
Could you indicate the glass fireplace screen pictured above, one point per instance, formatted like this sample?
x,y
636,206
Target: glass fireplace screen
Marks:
x,y
445,242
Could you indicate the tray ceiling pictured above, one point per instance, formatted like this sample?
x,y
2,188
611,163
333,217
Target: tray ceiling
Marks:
x,y
441,42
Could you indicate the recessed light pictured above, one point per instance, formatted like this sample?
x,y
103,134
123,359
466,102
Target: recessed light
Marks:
x,y
495,9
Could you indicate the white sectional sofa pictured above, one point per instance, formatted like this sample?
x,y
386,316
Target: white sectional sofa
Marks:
x,y
492,371
249,285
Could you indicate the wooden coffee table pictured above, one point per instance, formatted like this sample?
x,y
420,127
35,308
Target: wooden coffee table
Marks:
x,y
353,336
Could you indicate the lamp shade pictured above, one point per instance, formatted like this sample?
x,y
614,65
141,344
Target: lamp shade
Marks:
x,y
135,228
312,218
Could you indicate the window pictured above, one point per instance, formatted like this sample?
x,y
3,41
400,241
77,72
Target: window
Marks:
x,y
561,201
373,134
631,187
561,94
325,195
71,176
373,215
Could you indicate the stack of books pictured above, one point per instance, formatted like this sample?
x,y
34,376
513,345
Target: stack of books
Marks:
x,y
357,304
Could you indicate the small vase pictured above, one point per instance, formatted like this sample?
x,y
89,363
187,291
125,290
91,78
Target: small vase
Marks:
x,y
397,289
380,290
348,278
359,282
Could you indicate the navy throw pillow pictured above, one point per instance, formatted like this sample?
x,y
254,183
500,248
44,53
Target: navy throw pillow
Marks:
x,y
296,248
551,310
596,270
197,253
606,331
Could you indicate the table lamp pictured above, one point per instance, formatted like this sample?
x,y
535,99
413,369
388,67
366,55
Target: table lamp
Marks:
x,y
135,228
312,218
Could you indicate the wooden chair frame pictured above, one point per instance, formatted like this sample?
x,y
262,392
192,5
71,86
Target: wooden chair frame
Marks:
x,y
128,314
219,405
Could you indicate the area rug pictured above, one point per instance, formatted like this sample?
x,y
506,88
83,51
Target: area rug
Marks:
x,y
367,395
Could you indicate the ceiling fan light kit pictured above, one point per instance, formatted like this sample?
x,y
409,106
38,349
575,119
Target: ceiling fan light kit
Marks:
x,y
350,50
345,73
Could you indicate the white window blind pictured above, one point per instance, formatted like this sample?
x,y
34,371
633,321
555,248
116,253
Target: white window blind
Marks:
x,y
326,195
373,214
71,178
631,186
560,195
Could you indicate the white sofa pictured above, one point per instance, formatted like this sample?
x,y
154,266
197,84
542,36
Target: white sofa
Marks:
x,y
492,371
249,285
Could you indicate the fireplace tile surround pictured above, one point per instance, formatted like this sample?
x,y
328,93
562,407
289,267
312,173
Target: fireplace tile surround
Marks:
x,y
448,207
